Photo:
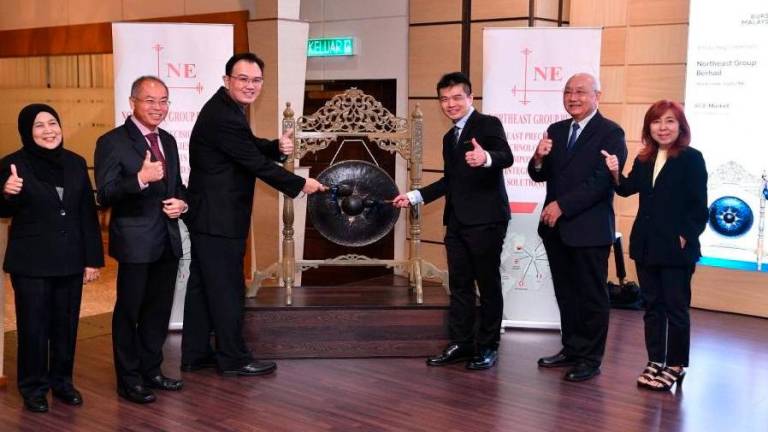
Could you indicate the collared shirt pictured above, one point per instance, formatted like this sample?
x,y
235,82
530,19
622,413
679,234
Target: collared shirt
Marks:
x,y
414,196
582,124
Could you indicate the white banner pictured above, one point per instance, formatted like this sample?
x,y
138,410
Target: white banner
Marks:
x,y
725,89
524,72
190,59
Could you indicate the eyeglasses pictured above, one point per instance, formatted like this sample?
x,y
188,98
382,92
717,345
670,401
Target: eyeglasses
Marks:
x,y
154,102
244,80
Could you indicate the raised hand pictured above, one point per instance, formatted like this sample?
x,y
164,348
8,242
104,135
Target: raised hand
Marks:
x,y
286,142
612,162
401,201
311,186
150,171
14,183
475,157
543,149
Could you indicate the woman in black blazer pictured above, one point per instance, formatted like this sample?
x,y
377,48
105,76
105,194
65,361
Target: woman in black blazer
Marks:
x,y
671,179
54,246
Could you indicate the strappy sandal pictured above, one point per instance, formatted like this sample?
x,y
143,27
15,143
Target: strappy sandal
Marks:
x,y
667,379
649,374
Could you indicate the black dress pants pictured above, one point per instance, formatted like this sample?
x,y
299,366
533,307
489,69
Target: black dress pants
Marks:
x,y
47,314
140,320
580,276
667,295
215,301
474,254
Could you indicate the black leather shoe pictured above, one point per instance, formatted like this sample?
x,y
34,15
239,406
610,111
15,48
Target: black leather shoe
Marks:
x,y
486,359
36,404
69,396
557,360
582,372
206,363
162,382
136,394
453,353
251,369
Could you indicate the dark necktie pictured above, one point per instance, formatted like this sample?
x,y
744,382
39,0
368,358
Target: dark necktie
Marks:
x,y
574,135
154,147
456,134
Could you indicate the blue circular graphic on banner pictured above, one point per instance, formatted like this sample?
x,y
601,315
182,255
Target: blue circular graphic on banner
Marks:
x,y
730,216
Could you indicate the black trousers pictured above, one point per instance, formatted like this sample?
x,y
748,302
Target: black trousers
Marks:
x,y
215,301
667,295
474,254
141,316
580,277
47,314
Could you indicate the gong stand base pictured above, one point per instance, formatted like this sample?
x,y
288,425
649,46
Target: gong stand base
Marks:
x,y
373,318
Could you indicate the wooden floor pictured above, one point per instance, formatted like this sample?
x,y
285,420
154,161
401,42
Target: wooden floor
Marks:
x,y
726,390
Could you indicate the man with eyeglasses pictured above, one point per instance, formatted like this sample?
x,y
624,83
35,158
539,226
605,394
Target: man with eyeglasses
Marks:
x,y
226,159
138,177
577,223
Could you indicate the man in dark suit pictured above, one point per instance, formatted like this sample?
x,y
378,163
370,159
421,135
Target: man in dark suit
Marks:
x,y
475,153
226,159
138,176
577,223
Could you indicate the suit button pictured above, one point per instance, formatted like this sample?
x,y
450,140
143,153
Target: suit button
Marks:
x,y
63,212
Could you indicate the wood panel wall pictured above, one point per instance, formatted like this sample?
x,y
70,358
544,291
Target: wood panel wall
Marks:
x,y
644,54
446,36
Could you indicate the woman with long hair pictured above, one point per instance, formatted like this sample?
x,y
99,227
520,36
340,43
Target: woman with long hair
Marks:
x,y
671,178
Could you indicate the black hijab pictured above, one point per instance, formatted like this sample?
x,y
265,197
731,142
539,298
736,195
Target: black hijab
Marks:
x,y
47,164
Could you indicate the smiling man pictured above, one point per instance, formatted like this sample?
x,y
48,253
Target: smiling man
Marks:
x,y
475,153
577,223
138,176
226,159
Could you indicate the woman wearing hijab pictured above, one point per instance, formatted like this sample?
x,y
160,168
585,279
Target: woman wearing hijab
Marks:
x,y
54,246
671,178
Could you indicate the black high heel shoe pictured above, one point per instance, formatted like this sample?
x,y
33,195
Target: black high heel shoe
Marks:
x,y
667,379
649,374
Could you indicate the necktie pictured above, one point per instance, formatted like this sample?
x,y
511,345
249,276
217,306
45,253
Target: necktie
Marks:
x,y
154,147
574,135
456,134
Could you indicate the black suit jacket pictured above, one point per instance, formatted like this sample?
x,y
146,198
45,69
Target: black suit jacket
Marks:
x,y
138,228
51,236
225,159
474,195
580,182
675,206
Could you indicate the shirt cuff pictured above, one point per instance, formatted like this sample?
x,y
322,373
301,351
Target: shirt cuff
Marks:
x,y
488,160
142,186
415,197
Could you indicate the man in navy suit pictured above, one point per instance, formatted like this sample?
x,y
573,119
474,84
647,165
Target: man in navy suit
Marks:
x,y
475,153
138,176
577,223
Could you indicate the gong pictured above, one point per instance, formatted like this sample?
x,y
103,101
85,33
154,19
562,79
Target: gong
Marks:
x,y
356,210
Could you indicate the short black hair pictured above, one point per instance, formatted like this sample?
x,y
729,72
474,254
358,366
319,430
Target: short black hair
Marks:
x,y
140,80
247,56
452,79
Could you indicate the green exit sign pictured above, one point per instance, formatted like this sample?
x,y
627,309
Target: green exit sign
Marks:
x,y
330,47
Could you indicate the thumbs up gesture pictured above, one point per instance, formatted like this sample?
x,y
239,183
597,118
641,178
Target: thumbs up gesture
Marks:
x,y
286,142
14,183
475,157
543,149
150,171
611,161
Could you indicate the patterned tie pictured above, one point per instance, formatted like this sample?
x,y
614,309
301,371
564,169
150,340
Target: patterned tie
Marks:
x,y
456,134
572,139
154,147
